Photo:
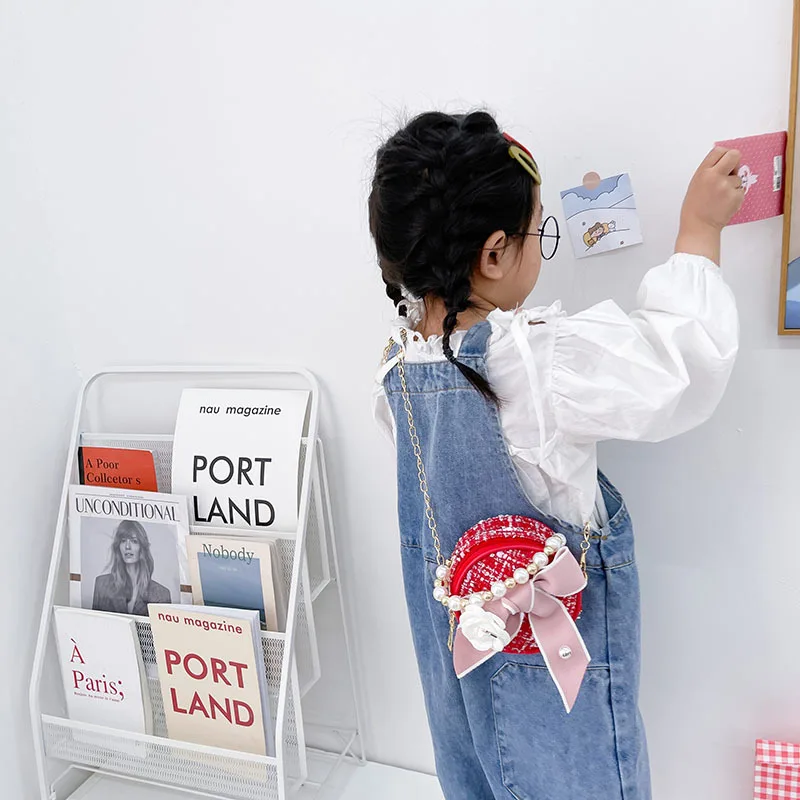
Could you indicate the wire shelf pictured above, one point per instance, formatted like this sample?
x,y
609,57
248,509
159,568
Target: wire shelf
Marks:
x,y
164,761
124,408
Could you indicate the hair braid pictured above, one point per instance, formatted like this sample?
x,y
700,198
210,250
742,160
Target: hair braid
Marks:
x,y
395,294
455,303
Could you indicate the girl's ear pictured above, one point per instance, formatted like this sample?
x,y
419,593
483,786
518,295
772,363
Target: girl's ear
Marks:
x,y
491,255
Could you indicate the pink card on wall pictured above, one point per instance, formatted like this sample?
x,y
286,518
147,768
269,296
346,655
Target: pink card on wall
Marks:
x,y
762,175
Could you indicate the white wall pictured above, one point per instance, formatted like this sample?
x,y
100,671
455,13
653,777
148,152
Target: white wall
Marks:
x,y
199,172
37,391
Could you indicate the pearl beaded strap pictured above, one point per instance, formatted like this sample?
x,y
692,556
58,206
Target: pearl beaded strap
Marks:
x,y
499,588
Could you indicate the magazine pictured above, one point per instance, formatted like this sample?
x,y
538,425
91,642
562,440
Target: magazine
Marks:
x,y
213,682
117,468
127,549
237,573
236,455
102,669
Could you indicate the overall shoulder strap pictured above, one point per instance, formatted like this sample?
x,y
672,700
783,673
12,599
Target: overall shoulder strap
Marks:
x,y
476,340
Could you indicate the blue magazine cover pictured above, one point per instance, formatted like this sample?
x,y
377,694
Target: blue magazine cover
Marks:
x,y
231,583
237,573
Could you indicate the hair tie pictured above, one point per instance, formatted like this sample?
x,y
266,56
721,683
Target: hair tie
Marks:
x,y
523,156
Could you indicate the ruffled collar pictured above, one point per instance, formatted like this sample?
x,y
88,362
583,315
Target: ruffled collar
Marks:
x,y
500,320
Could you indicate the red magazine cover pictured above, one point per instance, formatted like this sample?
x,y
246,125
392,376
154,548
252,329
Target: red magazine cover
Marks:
x,y
117,468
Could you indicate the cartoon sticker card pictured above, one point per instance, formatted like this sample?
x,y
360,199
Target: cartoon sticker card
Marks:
x,y
601,215
762,175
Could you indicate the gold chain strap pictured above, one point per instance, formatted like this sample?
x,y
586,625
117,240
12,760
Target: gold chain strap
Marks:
x,y
423,479
585,545
412,430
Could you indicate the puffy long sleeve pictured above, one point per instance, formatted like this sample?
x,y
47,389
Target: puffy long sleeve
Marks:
x,y
655,373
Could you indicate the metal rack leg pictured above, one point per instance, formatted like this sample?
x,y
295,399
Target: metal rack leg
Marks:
x,y
323,473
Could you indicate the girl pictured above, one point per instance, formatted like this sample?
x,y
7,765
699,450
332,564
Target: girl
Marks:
x,y
497,410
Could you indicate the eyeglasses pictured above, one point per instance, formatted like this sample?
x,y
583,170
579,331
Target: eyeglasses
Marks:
x,y
549,237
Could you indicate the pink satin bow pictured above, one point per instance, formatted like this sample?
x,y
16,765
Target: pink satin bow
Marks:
x,y
555,631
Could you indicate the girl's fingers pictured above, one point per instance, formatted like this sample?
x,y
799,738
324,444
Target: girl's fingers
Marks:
x,y
713,158
729,163
735,181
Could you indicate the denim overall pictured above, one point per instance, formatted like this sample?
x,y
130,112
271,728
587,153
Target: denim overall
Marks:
x,y
502,731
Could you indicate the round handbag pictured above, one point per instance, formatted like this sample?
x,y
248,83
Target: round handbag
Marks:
x,y
499,547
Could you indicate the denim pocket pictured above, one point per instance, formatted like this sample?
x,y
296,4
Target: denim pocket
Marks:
x,y
546,753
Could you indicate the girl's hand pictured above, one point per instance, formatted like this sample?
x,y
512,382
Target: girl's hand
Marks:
x,y
714,195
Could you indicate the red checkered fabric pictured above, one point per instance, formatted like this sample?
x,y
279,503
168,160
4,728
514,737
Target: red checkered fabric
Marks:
x,y
777,771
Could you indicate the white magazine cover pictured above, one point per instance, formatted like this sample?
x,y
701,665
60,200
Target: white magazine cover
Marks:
x,y
127,549
102,669
236,456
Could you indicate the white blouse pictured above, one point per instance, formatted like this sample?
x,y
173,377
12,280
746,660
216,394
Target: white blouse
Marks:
x,y
601,374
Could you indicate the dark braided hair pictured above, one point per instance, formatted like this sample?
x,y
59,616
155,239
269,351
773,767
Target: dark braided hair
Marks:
x,y
443,184
395,294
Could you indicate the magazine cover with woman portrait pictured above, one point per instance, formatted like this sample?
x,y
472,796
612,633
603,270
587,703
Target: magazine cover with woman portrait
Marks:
x,y
127,549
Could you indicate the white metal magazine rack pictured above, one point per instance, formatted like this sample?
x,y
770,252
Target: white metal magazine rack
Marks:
x,y
137,408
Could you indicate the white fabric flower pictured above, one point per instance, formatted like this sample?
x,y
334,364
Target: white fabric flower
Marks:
x,y
484,630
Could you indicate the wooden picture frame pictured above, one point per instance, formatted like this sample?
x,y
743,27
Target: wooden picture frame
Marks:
x,y
789,311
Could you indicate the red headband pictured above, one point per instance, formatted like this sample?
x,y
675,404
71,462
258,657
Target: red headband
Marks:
x,y
511,140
